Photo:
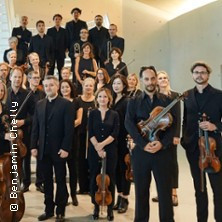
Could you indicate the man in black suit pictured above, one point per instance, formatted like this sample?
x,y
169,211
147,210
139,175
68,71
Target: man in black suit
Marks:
x,y
203,98
43,45
60,43
73,27
17,94
112,41
51,141
23,35
97,36
151,155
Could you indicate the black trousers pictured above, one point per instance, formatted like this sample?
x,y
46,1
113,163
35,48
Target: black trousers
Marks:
x,y
61,196
73,61
202,197
39,174
83,166
95,169
59,62
175,167
123,185
159,164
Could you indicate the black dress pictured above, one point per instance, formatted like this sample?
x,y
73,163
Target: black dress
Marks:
x,y
111,71
123,185
4,144
102,129
83,167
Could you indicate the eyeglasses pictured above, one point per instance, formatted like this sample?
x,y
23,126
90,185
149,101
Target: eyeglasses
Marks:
x,y
35,77
100,73
83,32
201,73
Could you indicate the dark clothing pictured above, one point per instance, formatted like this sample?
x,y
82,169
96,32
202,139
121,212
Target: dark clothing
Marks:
x,y
101,130
83,167
4,144
52,130
111,70
76,47
115,42
73,29
133,93
107,86
44,47
123,185
144,162
21,59
24,37
208,102
60,43
97,37
26,114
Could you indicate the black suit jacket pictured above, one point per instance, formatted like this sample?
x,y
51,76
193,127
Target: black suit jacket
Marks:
x,y
213,109
60,127
60,41
73,29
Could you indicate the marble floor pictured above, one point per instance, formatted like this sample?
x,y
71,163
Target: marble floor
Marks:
x,y
185,212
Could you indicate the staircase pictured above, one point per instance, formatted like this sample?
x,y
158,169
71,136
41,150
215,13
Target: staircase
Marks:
x,y
5,32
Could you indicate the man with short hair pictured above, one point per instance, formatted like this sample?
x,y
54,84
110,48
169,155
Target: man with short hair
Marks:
x,y
201,100
73,27
43,45
112,41
17,94
51,142
98,36
4,73
60,43
23,35
151,155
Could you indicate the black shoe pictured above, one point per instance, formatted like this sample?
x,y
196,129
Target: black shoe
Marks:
x,y
123,206
74,201
95,215
60,218
110,216
155,199
79,192
40,188
45,216
117,205
25,189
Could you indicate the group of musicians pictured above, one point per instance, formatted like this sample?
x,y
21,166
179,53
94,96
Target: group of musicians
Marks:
x,y
79,123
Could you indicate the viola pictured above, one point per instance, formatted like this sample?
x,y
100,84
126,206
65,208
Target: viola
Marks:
x,y
128,160
159,119
208,161
103,196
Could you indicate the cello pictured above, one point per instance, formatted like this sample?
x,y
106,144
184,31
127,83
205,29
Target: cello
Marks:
x,y
103,196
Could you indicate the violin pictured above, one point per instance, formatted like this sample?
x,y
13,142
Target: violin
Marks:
x,y
103,196
208,161
159,119
12,202
128,160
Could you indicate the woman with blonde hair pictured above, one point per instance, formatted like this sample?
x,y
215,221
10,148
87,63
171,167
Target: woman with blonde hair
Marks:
x,y
133,85
164,88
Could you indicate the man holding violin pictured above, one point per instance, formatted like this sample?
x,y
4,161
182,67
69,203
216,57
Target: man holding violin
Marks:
x,y
204,99
150,155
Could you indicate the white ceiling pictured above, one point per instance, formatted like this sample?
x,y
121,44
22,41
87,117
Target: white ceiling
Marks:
x,y
174,8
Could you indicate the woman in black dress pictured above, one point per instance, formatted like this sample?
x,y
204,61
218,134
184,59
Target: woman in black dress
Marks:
x,y
164,88
103,133
4,135
67,91
120,100
115,64
102,79
133,82
85,66
86,102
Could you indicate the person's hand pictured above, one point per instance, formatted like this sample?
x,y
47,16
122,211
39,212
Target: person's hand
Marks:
x,y
176,140
20,123
153,147
85,71
207,126
101,153
76,55
34,152
10,138
99,146
63,153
